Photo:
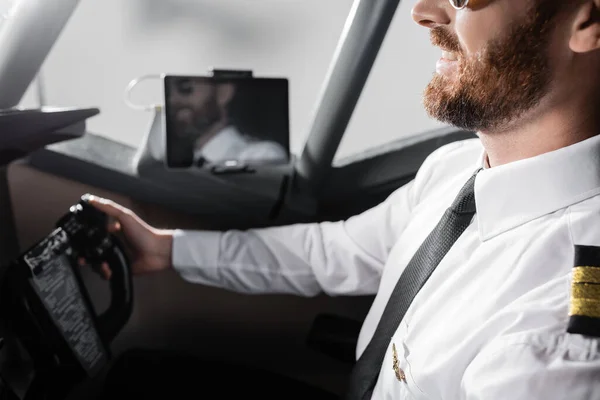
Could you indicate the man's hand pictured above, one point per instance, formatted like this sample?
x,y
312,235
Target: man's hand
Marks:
x,y
149,248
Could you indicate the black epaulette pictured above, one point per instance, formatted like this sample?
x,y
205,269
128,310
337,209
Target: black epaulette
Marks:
x,y
584,309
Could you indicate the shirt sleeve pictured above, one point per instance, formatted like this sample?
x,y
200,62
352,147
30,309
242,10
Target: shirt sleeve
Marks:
x,y
547,366
338,258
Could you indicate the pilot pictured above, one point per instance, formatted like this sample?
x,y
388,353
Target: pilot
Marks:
x,y
486,267
203,125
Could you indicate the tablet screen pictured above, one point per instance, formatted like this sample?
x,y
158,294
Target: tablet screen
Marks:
x,y
212,120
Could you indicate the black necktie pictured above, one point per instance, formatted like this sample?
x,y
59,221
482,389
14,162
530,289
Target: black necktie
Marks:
x,y
453,223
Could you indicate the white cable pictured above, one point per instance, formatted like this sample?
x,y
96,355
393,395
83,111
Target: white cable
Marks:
x,y
132,84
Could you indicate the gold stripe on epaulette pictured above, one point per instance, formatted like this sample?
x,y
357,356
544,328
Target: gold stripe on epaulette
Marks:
x,y
585,291
585,307
586,275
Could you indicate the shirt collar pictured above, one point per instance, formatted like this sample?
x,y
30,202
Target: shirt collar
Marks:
x,y
513,194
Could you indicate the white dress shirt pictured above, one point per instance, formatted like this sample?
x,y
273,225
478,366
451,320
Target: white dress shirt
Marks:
x,y
229,144
490,323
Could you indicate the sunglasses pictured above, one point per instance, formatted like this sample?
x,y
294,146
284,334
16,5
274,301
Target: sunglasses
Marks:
x,y
459,4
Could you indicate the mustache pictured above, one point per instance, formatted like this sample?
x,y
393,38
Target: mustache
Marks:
x,y
444,40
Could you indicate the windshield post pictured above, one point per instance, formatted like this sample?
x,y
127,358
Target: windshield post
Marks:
x,y
361,39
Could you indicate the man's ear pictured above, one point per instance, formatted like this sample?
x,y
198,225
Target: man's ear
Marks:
x,y
586,28
225,92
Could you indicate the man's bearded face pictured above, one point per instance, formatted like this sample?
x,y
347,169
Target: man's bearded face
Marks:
x,y
489,90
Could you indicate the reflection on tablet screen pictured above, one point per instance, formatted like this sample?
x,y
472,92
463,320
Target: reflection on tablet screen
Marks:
x,y
211,121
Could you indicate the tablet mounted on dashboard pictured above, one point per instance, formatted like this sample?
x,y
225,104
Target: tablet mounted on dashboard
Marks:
x,y
228,120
